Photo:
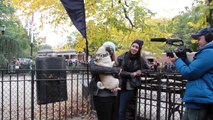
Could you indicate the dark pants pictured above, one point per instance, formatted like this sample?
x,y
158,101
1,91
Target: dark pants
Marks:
x,y
205,113
195,114
210,112
106,107
127,105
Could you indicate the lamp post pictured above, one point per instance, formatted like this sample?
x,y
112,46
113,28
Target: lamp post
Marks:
x,y
31,49
3,29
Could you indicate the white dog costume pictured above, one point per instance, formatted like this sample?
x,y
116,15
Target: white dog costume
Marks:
x,y
102,58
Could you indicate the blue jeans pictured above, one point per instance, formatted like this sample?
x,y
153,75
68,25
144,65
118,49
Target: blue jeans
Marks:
x,y
124,99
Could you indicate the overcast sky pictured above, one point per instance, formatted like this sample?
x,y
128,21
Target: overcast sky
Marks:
x,y
167,8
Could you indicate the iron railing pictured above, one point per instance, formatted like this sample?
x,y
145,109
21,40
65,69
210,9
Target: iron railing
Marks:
x,y
159,97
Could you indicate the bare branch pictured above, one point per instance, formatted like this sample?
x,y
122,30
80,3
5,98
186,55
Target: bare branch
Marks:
x,y
126,14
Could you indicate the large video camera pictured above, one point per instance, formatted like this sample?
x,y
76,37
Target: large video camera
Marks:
x,y
180,49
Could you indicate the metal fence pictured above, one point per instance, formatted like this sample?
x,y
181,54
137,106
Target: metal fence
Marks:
x,y
159,97
19,97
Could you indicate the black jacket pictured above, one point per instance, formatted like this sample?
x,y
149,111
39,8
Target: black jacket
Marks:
x,y
128,67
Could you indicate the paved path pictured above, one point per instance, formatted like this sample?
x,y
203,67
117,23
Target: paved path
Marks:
x,y
80,118
76,118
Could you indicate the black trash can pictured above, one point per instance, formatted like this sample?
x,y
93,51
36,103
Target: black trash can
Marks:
x,y
50,80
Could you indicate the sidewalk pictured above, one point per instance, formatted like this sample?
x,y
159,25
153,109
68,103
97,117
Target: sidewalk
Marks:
x,y
77,118
91,117
80,118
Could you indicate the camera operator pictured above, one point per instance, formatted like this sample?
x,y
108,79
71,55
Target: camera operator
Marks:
x,y
198,97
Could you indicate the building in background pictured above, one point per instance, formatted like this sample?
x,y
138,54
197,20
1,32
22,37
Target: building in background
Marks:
x,y
68,54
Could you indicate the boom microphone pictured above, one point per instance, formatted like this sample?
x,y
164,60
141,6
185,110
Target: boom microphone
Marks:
x,y
158,39
180,50
174,42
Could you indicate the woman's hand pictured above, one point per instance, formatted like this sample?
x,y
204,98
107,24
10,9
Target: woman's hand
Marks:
x,y
120,72
137,73
115,90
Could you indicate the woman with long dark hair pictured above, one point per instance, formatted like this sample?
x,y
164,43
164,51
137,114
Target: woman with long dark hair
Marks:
x,y
132,64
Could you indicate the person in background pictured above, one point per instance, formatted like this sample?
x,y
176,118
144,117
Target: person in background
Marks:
x,y
198,96
132,65
104,100
167,67
17,64
156,65
13,61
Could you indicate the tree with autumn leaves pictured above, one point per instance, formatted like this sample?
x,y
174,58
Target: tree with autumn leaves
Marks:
x,y
14,42
120,21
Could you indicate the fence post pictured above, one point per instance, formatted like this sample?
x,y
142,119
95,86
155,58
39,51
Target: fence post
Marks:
x,y
2,93
32,94
159,76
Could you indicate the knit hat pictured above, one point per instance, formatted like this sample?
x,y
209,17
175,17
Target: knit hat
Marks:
x,y
111,44
139,42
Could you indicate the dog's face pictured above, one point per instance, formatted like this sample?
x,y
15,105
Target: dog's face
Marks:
x,y
103,56
109,50
102,53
